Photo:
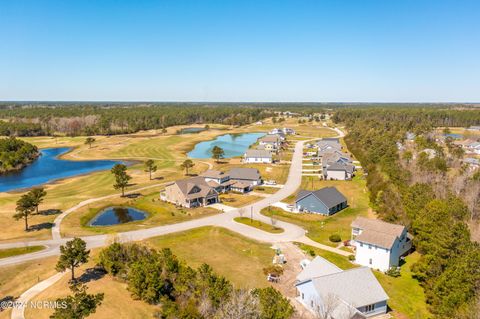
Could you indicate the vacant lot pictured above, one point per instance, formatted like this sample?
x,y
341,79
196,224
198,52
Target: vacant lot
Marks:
x,y
238,258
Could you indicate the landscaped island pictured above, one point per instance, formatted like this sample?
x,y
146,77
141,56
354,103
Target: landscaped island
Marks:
x,y
16,154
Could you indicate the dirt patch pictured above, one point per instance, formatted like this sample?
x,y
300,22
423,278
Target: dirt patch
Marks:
x,y
287,282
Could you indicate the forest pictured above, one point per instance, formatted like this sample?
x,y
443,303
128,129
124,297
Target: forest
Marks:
x,y
118,119
419,194
15,154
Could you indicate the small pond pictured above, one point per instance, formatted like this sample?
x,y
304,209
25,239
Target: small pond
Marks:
x,y
455,136
189,130
49,167
117,215
233,145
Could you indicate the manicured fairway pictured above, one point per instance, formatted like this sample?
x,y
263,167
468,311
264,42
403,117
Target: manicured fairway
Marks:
x,y
4,253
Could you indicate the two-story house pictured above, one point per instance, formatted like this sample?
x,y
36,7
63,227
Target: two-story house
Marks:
x,y
378,244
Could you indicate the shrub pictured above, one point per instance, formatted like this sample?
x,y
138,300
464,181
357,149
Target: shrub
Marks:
x,y
393,272
351,257
335,238
311,252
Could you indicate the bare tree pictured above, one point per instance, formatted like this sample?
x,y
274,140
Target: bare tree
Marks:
x,y
332,304
241,305
241,212
273,221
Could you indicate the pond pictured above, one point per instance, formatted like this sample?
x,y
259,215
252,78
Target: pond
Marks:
x,y
455,136
117,215
189,130
233,145
48,167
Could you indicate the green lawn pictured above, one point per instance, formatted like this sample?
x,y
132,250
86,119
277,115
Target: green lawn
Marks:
x,y
321,227
258,224
4,253
407,298
159,213
339,260
238,258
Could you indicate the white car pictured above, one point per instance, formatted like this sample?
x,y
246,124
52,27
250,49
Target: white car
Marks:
x,y
270,182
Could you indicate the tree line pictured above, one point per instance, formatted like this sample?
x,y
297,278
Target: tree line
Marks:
x,y
449,265
94,120
15,154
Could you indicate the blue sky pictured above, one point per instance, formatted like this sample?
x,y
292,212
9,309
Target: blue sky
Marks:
x,y
338,50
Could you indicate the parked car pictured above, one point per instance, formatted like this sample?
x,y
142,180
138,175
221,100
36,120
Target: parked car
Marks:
x,y
270,182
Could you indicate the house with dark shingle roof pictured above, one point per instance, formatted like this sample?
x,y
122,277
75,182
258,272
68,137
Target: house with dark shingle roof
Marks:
x,y
190,192
325,201
378,244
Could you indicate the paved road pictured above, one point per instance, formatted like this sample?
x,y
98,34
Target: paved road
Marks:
x,y
291,232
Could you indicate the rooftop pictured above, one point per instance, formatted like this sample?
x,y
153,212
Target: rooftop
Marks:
x,y
258,153
244,173
377,232
330,196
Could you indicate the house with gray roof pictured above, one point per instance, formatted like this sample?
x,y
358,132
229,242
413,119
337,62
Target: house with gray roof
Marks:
x,y
330,292
218,180
325,201
190,192
258,155
379,244
250,176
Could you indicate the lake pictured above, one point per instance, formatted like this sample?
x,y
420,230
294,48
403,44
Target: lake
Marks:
x,y
233,145
48,167
117,215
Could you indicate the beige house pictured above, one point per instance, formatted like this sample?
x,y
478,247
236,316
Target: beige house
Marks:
x,y
190,192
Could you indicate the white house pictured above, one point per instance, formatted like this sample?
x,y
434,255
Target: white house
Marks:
x,y
379,245
328,291
257,156
271,141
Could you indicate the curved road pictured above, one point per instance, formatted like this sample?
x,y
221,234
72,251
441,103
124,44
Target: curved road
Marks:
x,y
291,232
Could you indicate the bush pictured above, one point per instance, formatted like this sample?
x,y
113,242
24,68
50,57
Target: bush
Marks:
x,y
351,257
393,272
335,238
311,252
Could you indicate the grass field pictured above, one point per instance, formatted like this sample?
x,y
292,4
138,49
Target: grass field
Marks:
x,y
258,224
321,227
407,298
238,200
238,258
339,260
159,213
15,279
19,251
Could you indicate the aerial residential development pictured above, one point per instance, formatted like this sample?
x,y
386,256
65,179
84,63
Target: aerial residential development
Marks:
x,y
240,159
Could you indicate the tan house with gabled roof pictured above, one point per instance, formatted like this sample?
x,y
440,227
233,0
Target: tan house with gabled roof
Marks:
x,y
190,192
378,244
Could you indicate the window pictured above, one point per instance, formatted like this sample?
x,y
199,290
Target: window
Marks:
x,y
370,261
369,246
303,295
370,308
311,303
361,244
